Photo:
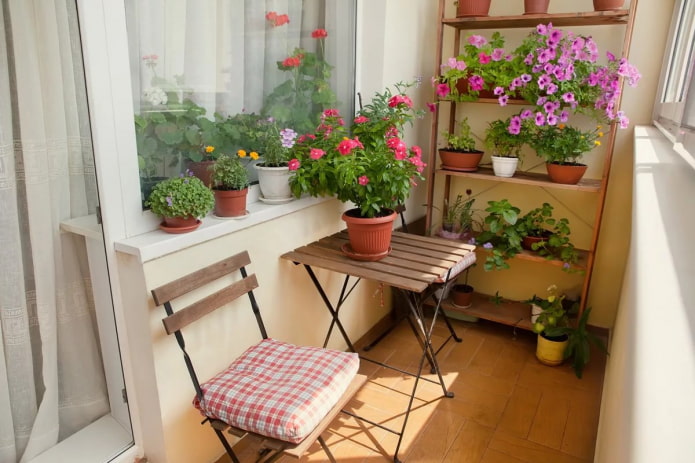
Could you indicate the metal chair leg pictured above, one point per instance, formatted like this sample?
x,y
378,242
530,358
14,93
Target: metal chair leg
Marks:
x,y
326,449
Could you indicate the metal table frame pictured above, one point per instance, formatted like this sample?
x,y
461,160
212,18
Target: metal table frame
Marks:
x,y
414,265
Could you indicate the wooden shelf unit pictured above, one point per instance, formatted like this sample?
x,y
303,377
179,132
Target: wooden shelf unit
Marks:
x,y
512,313
623,17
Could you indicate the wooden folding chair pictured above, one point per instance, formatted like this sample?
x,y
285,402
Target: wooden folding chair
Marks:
x,y
276,394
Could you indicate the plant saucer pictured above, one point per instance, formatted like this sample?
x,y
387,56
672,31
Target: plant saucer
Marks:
x,y
459,169
275,201
348,251
236,217
177,230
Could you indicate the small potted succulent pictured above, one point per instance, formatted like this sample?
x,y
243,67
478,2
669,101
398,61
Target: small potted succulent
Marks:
x,y
230,181
181,202
460,153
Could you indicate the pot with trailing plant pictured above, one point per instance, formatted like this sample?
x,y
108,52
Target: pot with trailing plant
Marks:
x,y
230,181
559,74
181,202
505,146
273,170
369,166
459,219
460,153
483,69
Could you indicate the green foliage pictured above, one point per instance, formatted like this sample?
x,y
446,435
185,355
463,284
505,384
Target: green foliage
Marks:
x,y
459,215
229,173
501,237
501,141
506,228
183,196
163,136
298,102
374,169
562,143
464,141
579,346
553,317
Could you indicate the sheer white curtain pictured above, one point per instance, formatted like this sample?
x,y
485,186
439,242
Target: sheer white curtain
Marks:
x,y
51,375
223,51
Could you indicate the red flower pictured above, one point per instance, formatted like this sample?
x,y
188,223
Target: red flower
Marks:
x,y
363,180
319,34
316,153
293,164
270,16
397,100
281,20
361,120
345,147
292,62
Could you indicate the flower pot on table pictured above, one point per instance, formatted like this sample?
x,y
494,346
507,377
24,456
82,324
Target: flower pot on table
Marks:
x,y
460,161
568,174
370,237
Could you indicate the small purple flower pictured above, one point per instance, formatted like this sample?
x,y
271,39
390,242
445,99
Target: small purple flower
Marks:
x,y
498,90
287,137
497,54
566,265
476,83
564,116
529,59
554,37
526,113
471,241
503,100
488,245
551,89
552,119
170,202
514,125
540,119
542,29
568,97
544,81
477,40
526,78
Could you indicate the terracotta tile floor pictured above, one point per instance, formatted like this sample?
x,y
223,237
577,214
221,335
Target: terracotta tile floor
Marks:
x,y
507,406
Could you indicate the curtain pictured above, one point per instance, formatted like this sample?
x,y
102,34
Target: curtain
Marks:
x,y
221,51
51,375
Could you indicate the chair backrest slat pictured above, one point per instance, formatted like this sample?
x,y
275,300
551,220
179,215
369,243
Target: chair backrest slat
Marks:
x,y
214,301
197,279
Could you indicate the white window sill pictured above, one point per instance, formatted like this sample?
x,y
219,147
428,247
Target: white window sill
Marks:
x,y
155,244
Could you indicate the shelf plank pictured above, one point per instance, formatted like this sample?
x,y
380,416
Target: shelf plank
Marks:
x,y
526,178
534,257
510,313
585,18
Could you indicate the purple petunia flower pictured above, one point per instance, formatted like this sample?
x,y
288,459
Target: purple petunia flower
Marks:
x,y
170,202
526,113
540,119
503,100
488,245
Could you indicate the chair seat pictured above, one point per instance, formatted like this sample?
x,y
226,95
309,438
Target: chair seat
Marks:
x,y
278,389
467,260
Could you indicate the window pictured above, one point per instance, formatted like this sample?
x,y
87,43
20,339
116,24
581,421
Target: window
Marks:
x,y
212,73
675,109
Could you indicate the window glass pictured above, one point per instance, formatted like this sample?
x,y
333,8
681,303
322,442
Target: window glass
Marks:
x,y
224,73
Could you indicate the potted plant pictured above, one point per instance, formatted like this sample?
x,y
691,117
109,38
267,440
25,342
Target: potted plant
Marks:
x,y
505,146
482,70
562,147
230,181
298,102
468,8
550,324
500,237
459,219
462,294
371,167
181,202
460,153
273,170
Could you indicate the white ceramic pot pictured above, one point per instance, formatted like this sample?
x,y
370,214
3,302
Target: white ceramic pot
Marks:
x,y
504,166
274,183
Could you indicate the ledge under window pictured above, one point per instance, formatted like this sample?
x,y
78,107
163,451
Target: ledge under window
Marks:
x,y
155,244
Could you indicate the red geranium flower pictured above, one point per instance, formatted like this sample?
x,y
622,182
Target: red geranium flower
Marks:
x,y
319,34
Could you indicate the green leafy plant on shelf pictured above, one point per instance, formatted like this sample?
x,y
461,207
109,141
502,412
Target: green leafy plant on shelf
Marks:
x,y
501,142
501,237
230,173
461,139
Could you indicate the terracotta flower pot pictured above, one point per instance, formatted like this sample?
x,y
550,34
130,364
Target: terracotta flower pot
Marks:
x,y
568,174
462,295
527,242
606,5
179,224
370,238
473,8
202,170
460,160
230,203
536,6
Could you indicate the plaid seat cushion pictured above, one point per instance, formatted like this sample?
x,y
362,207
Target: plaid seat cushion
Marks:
x,y
463,264
279,390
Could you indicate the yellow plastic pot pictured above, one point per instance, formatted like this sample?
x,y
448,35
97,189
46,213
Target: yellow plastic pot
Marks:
x,y
551,352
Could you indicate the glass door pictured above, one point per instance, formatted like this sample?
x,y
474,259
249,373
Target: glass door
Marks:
x,y
62,395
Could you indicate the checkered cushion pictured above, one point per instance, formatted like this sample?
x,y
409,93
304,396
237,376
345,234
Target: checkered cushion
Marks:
x,y
463,264
279,390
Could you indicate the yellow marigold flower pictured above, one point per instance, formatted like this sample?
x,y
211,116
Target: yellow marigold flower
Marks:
x,y
598,127
253,155
600,134
597,143
241,153
561,126
551,298
209,149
